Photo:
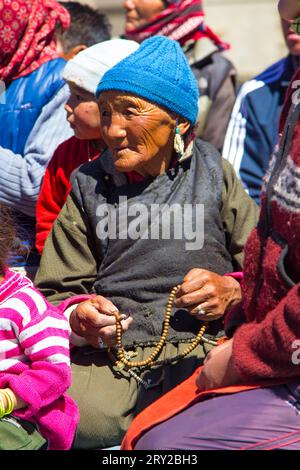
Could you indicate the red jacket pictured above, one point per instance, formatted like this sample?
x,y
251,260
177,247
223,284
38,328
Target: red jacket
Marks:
x,y
264,347
56,183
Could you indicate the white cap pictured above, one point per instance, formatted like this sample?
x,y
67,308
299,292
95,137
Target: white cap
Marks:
x,y
88,67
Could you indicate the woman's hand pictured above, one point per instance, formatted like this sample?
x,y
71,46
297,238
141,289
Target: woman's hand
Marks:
x,y
95,320
217,371
207,291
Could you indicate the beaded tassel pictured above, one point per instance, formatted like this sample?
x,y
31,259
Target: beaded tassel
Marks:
x,y
178,143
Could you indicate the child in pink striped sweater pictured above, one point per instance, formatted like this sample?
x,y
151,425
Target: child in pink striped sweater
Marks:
x,y
35,368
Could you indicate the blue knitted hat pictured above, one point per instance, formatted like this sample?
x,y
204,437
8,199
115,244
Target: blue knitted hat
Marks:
x,y
159,72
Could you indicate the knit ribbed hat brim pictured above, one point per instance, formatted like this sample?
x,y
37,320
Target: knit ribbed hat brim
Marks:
x,y
159,72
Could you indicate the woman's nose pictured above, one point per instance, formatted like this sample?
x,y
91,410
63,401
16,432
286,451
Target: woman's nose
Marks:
x,y
68,107
116,129
128,4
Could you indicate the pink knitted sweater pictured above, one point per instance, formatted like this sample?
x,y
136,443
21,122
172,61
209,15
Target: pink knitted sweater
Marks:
x,y
34,359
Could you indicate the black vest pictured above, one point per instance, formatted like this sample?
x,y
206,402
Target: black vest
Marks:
x,y
138,274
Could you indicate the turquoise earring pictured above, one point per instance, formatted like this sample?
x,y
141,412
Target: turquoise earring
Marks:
x,y
178,143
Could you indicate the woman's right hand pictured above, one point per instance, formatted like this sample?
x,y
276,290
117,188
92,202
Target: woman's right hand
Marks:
x,y
95,319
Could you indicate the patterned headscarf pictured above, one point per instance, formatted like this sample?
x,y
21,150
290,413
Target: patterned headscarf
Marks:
x,y
181,20
27,35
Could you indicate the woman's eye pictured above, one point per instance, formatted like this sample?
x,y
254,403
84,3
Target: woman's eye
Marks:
x,y
130,112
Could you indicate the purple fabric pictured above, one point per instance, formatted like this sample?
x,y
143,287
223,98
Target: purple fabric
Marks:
x,y
267,418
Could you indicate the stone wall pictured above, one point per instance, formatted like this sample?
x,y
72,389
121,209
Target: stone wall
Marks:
x,y
251,26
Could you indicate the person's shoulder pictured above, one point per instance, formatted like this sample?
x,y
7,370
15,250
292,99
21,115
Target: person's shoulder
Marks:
x,y
276,71
22,298
52,69
70,152
203,149
206,154
48,77
88,178
89,170
220,58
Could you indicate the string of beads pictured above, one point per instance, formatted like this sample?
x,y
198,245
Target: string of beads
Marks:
x,y
151,359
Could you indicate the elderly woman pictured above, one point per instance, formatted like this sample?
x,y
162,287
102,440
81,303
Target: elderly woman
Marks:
x,y
263,355
159,211
183,20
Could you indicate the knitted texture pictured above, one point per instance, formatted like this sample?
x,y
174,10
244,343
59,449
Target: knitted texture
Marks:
x,y
34,360
263,347
158,71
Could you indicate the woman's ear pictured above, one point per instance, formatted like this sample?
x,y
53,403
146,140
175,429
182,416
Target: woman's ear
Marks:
x,y
183,127
74,51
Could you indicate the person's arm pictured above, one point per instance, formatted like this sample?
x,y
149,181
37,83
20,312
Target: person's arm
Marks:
x,y
249,144
289,9
45,342
67,273
53,194
264,351
68,265
268,350
21,175
219,114
212,293
239,214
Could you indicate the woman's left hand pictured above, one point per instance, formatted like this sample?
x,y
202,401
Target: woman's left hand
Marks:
x,y
218,371
208,291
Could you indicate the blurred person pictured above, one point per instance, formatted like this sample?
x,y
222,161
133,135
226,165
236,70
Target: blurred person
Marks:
x,y
32,114
253,128
184,21
88,27
82,73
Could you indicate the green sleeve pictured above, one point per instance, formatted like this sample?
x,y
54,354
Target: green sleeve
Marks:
x,y
239,214
68,266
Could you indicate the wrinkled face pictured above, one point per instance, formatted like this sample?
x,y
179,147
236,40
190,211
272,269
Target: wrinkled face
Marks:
x,y
292,39
83,114
138,133
140,12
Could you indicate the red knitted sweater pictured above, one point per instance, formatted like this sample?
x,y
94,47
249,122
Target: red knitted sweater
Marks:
x,y
263,347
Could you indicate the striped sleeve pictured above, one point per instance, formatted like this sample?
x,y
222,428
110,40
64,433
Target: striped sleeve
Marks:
x,y
234,145
46,336
21,175
43,336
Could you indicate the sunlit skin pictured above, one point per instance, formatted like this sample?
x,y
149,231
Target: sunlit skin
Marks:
x,y
140,12
68,55
138,133
292,39
83,114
